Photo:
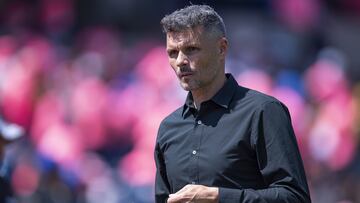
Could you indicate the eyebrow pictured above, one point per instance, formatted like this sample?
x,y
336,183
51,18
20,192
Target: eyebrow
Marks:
x,y
185,44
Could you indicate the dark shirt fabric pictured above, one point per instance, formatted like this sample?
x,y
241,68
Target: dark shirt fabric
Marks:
x,y
241,141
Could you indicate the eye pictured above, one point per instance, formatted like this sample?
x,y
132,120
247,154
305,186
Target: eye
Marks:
x,y
192,49
172,53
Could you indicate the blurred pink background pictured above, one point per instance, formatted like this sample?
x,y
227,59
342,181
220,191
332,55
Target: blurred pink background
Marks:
x,y
89,81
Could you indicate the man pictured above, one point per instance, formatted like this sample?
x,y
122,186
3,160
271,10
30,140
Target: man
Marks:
x,y
227,143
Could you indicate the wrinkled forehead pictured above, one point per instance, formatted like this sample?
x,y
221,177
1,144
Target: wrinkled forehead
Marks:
x,y
185,36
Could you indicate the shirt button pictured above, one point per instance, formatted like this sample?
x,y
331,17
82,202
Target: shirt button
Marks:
x,y
199,122
194,152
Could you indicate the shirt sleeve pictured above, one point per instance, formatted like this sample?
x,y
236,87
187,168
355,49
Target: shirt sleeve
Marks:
x,y
278,158
162,188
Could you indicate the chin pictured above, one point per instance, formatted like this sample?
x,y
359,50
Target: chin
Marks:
x,y
186,86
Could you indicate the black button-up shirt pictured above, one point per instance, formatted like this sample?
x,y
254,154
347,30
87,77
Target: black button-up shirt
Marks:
x,y
241,141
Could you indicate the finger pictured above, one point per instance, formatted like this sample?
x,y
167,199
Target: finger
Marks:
x,y
174,198
182,190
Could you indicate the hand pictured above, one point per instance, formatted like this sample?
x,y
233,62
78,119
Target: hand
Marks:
x,y
195,194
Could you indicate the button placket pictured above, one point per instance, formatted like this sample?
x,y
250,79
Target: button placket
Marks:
x,y
194,168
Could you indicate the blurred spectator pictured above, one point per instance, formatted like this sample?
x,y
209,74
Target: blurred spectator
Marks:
x,y
8,133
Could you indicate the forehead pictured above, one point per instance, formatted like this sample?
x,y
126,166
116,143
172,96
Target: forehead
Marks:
x,y
188,36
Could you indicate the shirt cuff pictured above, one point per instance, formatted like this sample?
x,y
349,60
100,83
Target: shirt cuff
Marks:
x,y
228,195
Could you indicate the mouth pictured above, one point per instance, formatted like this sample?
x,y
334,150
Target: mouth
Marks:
x,y
185,74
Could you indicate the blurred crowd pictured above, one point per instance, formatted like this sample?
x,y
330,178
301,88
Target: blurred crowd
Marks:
x,y
90,97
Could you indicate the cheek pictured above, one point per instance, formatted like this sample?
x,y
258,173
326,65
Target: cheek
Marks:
x,y
208,68
172,64
197,63
203,63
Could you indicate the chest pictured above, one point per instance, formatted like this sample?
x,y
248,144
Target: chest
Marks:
x,y
201,152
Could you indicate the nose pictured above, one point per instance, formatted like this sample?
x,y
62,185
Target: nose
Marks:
x,y
182,59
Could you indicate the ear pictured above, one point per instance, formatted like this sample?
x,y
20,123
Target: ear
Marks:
x,y
223,46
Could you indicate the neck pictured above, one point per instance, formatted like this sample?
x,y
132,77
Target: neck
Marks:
x,y
207,92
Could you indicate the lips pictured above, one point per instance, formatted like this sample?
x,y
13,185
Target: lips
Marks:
x,y
185,74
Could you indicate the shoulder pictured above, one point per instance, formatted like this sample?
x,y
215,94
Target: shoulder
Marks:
x,y
170,120
255,100
268,107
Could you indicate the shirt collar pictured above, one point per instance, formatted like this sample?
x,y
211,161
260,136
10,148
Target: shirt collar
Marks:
x,y
189,104
222,97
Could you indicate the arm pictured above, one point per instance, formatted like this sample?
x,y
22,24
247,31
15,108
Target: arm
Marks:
x,y
278,158
162,187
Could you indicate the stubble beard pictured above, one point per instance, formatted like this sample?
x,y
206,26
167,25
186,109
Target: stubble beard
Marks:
x,y
196,83
190,85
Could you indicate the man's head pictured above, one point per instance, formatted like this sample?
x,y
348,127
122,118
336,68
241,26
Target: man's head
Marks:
x,y
196,46
193,16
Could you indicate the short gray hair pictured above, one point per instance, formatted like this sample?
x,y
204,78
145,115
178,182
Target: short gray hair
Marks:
x,y
192,16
